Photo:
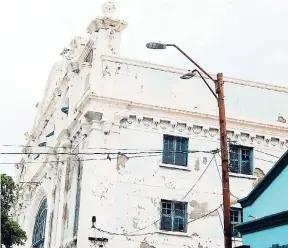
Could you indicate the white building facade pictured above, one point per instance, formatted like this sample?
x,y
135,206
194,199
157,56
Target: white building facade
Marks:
x,y
132,144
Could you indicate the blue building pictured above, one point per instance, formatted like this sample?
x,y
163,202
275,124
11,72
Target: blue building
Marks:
x,y
265,210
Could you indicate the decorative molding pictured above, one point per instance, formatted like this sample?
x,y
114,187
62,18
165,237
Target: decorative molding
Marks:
x,y
196,130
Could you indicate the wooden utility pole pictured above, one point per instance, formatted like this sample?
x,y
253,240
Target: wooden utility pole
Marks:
x,y
224,158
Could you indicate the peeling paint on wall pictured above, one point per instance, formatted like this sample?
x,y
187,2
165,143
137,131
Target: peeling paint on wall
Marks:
x,y
199,209
197,165
154,201
135,223
146,245
121,160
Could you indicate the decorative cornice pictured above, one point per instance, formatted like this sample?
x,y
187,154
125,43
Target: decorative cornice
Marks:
x,y
264,223
184,112
280,165
198,130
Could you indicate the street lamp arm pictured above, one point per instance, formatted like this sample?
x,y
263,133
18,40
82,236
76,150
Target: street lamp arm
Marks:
x,y
194,71
181,51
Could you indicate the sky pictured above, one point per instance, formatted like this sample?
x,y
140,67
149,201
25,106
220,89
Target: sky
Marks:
x,y
241,38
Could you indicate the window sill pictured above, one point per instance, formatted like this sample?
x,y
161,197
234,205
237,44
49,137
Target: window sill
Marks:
x,y
175,167
232,174
181,234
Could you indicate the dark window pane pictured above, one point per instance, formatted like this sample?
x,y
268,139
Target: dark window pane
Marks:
x,y
181,151
179,209
168,147
39,227
178,225
166,223
173,216
236,218
234,165
240,160
246,166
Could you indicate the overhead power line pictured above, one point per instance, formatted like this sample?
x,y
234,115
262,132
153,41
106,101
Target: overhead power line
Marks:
x,y
155,232
198,178
221,176
156,221
101,153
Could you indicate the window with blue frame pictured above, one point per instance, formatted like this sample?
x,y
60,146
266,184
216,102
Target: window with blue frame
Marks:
x,y
236,218
241,159
38,237
175,150
173,216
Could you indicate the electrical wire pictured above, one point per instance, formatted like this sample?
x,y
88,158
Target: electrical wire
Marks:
x,y
133,232
98,153
203,216
221,177
266,153
220,219
151,233
86,159
198,178
149,154
273,162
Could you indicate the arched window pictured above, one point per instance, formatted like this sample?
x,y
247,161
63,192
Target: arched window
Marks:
x,y
39,226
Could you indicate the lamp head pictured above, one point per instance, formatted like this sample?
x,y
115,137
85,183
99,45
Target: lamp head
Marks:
x,y
155,45
188,75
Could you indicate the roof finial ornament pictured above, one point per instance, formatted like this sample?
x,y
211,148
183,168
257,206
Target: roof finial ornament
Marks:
x,y
108,9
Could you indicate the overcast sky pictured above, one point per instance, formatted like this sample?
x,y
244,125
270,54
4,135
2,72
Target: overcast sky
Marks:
x,y
241,38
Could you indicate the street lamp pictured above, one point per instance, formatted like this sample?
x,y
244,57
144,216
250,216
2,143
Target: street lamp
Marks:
x,y
223,133
191,74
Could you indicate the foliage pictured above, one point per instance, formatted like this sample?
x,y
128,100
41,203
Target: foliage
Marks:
x,y
8,196
11,233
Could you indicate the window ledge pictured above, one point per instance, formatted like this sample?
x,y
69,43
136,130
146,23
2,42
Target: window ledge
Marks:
x,y
176,167
182,234
231,174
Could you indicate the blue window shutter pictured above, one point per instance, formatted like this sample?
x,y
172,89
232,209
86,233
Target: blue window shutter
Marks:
x,y
181,151
168,148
